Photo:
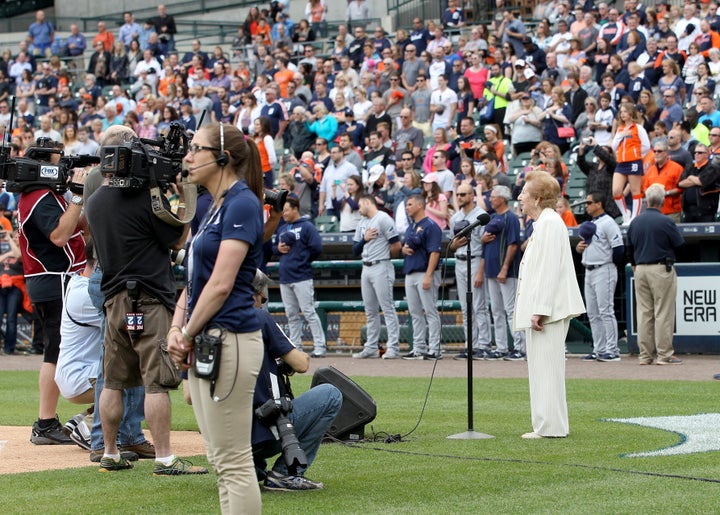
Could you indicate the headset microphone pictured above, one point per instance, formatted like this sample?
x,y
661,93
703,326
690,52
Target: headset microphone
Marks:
x,y
193,168
223,158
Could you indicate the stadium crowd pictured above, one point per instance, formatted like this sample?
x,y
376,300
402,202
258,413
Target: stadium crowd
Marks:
x,y
619,85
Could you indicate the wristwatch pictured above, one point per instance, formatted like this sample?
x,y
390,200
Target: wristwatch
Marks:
x,y
77,200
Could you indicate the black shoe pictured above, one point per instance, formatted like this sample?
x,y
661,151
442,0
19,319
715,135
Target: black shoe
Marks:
x,y
35,351
431,357
52,435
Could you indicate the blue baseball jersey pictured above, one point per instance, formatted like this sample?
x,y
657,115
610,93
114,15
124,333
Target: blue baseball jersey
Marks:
x,y
427,238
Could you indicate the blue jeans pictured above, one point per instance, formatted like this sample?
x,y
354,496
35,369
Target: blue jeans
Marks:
x,y
10,300
130,431
312,414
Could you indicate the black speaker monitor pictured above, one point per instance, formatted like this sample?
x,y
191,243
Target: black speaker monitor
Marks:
x,y
358,408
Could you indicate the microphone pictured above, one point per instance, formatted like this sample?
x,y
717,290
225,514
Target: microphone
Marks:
x,y
185,173
482,219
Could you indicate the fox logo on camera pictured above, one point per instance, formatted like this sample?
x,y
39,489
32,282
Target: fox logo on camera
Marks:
x,y
49,172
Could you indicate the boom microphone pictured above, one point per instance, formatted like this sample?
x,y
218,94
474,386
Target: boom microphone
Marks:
x,y
185,173
482,219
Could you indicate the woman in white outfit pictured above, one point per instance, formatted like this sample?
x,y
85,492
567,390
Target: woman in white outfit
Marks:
x,y
547,298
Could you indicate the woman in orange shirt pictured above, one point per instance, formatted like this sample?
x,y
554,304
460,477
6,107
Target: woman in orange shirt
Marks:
x,y
631,144
266,147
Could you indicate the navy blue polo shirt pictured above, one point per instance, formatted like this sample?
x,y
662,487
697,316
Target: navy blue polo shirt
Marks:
x,y
240,217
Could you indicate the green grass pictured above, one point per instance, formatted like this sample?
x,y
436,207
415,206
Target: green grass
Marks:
x,y
428,473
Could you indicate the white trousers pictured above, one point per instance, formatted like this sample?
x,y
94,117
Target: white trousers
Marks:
x,y
546,372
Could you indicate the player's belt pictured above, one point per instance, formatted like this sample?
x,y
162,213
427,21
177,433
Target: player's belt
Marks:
x,y
373,263
593,267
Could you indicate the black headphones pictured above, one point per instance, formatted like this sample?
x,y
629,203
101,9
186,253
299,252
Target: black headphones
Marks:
x,y
223,158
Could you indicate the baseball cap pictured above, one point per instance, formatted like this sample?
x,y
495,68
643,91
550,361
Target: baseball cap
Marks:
x,y
495,226
375,172
288,238
520,63
528,73
307,162
460,225
431,177
586,231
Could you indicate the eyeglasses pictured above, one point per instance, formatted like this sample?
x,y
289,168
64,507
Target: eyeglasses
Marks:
x,y
714,135
194,149
462,194
660,151
408,159
700,152
394,80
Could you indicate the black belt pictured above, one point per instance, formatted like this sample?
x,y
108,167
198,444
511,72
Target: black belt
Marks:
x,y
593,267
463,257
371,263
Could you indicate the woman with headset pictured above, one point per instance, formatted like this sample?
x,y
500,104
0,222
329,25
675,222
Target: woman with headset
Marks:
x,y
215,315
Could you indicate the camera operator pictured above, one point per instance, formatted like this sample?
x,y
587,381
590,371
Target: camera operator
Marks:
x,y
52,246
132,247
312,412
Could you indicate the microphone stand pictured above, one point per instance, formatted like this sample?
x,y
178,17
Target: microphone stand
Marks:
x,y
470,434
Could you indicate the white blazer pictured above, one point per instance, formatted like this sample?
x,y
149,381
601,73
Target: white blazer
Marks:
x,y
547,284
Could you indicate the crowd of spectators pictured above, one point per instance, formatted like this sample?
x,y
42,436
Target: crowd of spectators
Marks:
x,y
356,109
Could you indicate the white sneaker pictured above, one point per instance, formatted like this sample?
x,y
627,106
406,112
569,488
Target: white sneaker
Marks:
x,y
391,354
366,354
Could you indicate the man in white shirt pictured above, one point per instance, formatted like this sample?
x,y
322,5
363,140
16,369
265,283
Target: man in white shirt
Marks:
x,y
443,105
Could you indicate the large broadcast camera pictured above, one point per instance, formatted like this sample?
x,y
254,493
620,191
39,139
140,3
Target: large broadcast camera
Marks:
x,y
144,163
274,414
43,166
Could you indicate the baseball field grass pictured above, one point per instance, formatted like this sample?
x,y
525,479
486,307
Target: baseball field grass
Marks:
x,y
426,472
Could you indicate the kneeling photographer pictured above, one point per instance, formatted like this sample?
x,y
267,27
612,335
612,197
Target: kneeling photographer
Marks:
x,y
277,413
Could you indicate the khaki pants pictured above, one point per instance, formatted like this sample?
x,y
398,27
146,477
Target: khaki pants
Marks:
x,y
655,290
226,423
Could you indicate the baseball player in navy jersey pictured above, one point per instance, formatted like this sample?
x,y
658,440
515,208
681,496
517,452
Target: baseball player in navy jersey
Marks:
x,y
422,279
599,257
299,244
376,241
501,258
468,213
